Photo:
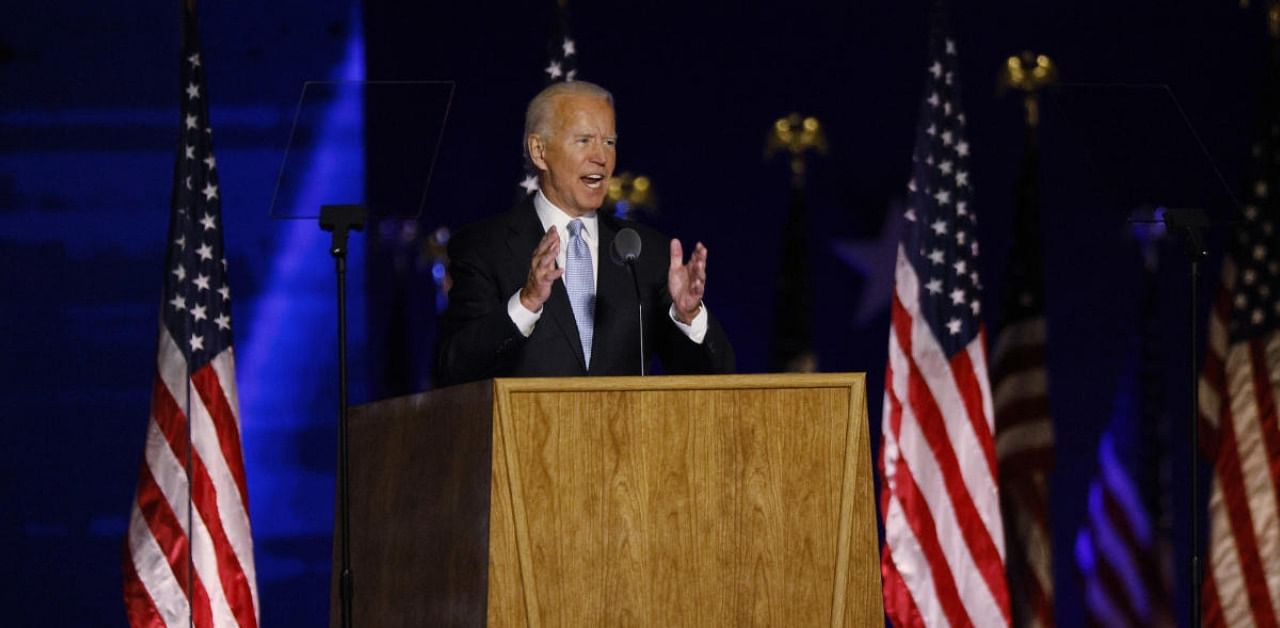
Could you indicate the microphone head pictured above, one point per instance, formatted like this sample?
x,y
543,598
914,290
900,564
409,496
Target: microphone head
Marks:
x,y
626,246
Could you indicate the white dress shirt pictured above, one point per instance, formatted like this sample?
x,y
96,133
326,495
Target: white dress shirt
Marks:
x,y
549,214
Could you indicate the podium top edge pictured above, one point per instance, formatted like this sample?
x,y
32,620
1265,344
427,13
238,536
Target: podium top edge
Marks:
x,y
680,382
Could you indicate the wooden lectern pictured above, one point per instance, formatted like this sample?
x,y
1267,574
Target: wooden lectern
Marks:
x,y
736,500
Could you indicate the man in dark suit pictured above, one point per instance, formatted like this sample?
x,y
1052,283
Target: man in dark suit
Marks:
x,y
535,292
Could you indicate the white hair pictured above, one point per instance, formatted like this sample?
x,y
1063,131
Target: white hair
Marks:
x,y
537,116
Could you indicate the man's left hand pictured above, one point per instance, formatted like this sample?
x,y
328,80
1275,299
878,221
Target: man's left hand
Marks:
x,y
687,282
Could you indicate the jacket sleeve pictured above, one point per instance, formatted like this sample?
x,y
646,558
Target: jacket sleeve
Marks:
x,y
478,339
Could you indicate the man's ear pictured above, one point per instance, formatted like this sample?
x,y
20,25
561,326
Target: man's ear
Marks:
x,y
537,151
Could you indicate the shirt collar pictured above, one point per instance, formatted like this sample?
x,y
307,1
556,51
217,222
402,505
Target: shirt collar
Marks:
x,y
549,214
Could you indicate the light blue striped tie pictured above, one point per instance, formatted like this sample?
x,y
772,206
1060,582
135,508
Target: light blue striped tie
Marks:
x,y
581,286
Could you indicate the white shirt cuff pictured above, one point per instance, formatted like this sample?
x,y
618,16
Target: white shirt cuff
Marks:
x,y
695,330
523,318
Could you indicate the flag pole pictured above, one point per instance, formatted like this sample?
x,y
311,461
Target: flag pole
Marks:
x,y
190,8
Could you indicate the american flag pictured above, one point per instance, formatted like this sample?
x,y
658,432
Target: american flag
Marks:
x,y
1122,548
1239,386
1024,430
943,557
188,556
562,65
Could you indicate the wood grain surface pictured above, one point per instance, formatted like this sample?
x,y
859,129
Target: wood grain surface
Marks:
x,y
683,501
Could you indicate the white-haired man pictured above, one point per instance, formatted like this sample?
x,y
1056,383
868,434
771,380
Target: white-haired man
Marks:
x,y
534,292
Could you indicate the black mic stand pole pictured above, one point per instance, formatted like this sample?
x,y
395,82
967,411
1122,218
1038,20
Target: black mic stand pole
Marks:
x,y
635,282
1191,223
339,219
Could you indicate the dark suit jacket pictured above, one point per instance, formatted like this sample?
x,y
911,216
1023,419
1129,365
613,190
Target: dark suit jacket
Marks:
x,y
489,262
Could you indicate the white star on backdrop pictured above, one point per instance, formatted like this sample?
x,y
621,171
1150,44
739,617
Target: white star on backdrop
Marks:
x,y
530,184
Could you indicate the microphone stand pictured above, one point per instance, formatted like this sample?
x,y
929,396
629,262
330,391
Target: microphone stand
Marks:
x,y
635,282
339,219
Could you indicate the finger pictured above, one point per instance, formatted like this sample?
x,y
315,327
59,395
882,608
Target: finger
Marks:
x,y
548,259
677,254
550,238
547,275
550,250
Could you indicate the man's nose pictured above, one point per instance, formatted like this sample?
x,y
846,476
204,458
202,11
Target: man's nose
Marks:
x,y
597,154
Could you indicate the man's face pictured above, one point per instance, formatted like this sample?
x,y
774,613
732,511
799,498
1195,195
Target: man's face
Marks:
x,y
577,157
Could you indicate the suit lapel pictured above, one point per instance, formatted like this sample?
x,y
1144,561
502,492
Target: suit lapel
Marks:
x,y
525,233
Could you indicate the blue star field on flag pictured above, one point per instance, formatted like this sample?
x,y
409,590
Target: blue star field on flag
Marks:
x,y
197,301
941,227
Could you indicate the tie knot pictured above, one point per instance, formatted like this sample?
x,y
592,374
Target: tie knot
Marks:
x,y
575,227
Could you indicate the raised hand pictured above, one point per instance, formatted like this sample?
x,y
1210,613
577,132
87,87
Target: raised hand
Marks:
x,y
687,282
542,272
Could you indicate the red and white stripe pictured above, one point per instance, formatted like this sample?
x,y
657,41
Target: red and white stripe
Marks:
x,y
182,562
943,560
1024,448
1239,387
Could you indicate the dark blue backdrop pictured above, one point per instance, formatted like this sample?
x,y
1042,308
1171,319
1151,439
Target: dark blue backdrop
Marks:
x,y
88,121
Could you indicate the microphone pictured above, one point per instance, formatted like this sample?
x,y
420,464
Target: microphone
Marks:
x,y
624,252
626,246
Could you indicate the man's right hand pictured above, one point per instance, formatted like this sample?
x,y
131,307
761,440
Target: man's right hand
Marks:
x,y
542,272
